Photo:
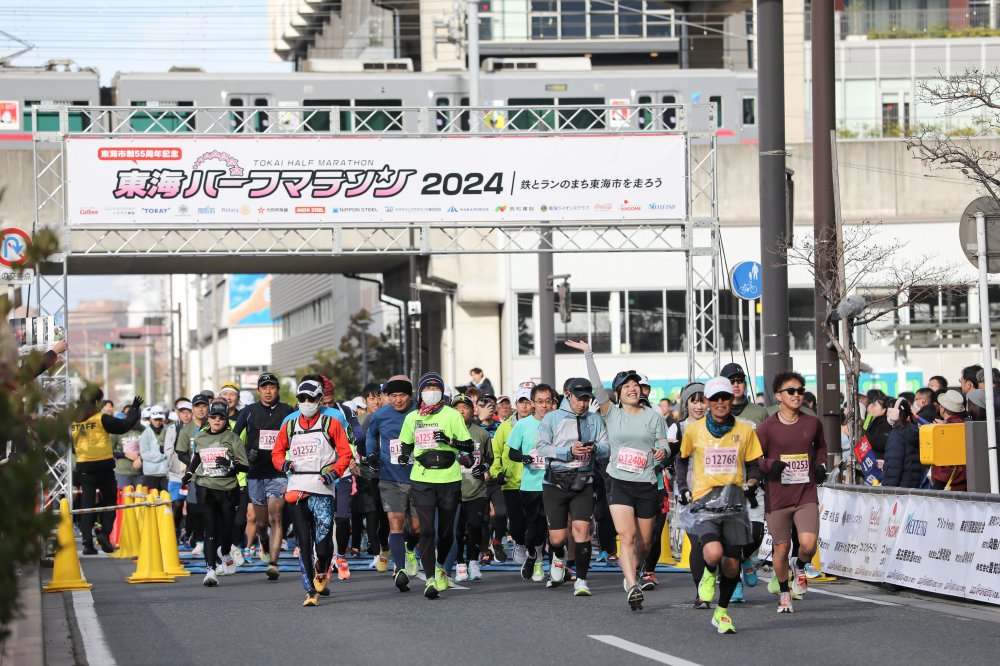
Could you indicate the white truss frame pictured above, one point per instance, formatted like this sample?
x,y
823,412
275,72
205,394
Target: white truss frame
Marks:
x,y
109,241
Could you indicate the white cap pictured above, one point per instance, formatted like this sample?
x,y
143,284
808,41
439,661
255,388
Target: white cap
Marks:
x,y
718,385
522,394
184,404
156,412
643,380
172,416
358,403
144,413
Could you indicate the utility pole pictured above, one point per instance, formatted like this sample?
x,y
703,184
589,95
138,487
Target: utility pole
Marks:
x,y
824,214
546,310
773,211
472,39
148,394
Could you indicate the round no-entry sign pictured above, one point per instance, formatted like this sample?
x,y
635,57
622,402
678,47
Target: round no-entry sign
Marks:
x,y
14,244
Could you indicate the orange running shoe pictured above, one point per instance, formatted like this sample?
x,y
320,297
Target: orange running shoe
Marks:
x,y
343,572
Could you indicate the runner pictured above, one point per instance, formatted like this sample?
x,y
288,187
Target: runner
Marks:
x,y
217,457
504,408
692,408
381,453
794,458
182,449
127,449
743,407
522,447
474,512
176,468
434,435
151,450
638,441
507,475
368,501
722,451
258,426
312,450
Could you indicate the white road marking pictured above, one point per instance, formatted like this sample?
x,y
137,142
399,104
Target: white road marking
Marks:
x,y
643,651
877,602
94,644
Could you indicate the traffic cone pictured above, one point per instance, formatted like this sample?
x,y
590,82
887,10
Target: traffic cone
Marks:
x,y
149,567
66,573
685,562
822,578
140,496
116,531
128,546
168,538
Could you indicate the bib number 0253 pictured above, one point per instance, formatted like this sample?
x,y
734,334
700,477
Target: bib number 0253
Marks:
x,y
462,183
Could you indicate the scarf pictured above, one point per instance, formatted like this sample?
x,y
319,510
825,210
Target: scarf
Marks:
x,y
737,409
427,410
719,430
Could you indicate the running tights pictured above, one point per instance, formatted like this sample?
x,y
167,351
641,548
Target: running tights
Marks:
x,y
515,515
697,559
445,536
534,517
498,500
307,529
471,521
218,508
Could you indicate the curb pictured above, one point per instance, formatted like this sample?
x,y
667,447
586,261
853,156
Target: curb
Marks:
x,y
26,645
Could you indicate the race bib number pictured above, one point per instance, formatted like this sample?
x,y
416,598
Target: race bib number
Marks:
x,y
424,438
797,470
208,458
539,461
477,458
579,461
721,461
131,446
631,460
395,450
267,439
305,452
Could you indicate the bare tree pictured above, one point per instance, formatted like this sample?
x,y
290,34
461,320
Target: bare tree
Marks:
x,y
955,97
879,279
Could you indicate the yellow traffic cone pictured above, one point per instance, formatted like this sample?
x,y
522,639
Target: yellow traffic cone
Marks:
x,y
149,567
168,538
128,546
140,496
822,578
666,552
685,562
66,574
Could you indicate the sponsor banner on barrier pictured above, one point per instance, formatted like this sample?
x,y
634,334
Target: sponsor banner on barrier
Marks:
x,y
159,180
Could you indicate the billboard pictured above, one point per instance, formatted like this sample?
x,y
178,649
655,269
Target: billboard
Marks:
x,y
249,299
164,180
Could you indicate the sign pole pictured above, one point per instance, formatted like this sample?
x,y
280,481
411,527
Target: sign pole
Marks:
x,y
984,329
752,308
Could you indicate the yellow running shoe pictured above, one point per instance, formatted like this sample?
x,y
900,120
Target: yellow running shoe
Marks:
x,y
312,598
706,588
319,582
722,621
382,562
440,579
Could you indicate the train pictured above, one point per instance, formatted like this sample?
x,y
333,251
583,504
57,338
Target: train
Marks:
x,y
366,91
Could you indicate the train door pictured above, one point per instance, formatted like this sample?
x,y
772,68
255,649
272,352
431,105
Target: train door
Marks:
x,y
748,116
661,118
244,117
895,112
447,119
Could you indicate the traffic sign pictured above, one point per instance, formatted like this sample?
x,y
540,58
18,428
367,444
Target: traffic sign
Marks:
x,y
14,244
14,278
967,232
745,280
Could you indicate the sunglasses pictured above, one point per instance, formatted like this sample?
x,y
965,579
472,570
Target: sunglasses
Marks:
x,y
793,390
484,403
719,397
307,398
738,379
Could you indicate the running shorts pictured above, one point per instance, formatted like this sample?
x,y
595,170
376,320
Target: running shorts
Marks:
x,y
578,505
262,490
643,497
396,497
805,517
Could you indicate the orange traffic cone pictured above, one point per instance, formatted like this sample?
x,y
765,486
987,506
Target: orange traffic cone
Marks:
x,y
168,538
128,546
149,567
116,531
66,574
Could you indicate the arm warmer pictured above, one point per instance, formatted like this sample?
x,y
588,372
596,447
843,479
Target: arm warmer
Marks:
x,y
681,475
120,426
595,379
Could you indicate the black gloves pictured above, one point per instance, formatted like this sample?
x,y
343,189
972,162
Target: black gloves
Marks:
x,y
186,479
465,461
329,478
374,463
527,460
404,459
684,496
441,438
778,466
501,478
479,471
750,492
137,402
287,466
465,447
224,464
820,474
252,455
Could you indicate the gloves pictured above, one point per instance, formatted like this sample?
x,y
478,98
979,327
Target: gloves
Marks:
x,y
186,479
252,455
501,478
404,459
465,461
820,474
224,463
750,492
287,466
374,463
441,438
684,497
479,471
137,402
527,460
329,478
778,466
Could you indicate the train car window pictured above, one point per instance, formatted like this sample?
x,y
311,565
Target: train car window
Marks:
x,y
717,101
319,120
523,117
368,119
262,119
749,111
48,121
442,118
463,121
237,119
669,113
581,118
162,117
645,114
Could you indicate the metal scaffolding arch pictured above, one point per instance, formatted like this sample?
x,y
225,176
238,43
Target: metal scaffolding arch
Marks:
x,y
298,246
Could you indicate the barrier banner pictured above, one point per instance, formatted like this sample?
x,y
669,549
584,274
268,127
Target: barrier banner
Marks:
x,y
151,180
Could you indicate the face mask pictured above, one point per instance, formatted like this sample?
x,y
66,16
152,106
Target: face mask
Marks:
x,y
431,397
308,409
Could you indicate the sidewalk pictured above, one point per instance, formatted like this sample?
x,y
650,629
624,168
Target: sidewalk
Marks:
x,y
25,646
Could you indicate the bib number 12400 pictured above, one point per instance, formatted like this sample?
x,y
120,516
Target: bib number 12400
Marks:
x,y
462,183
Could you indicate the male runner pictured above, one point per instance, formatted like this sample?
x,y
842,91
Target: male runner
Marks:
x,y
474,513
506,474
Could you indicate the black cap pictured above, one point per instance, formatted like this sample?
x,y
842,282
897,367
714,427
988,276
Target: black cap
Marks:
x,y
461,398
200,399
218,408
266,378
580,387
730,369
208,393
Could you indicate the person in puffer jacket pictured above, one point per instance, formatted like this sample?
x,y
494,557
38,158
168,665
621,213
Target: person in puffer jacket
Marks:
x,y
902,466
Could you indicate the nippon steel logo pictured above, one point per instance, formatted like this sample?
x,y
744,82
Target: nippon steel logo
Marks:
x,y
915,527
310,210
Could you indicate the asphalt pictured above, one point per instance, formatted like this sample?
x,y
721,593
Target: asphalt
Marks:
x,y
504,619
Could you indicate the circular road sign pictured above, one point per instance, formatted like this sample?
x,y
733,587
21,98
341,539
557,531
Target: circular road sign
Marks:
x,y
967,233
14,244
745,280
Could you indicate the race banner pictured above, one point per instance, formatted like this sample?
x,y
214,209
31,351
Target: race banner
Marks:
x,y
161,180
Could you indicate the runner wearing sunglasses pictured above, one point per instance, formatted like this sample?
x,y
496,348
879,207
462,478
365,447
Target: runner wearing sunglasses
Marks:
x,y
795,462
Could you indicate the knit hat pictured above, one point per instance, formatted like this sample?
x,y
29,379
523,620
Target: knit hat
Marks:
x,y
398,384
327,388
977,397
691,389
428,379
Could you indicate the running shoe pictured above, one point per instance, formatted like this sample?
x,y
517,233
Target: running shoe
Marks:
x,y
811,571
343,571
602,556
230,566
373,563
701,605
650,577
312,598
475,573
785,603
247,554
272,572
353,553
265,556
644,584
635,598
499,554
722,621
411,564
402,581
738,597
538,575
210,579
487,557
557,571
105,543
320,583
750,572
431,591
520,554
800,582
461,573
773,587
527,568
198,550
706,589
580,588
382,562
237,555
220,569
284,544
440,579
612,560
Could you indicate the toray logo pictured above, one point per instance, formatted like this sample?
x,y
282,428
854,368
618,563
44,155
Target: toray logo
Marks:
x,y
155,211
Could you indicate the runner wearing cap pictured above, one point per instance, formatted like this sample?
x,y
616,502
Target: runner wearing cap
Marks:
x,y
506,474
217,455
195,526
176,468
152,450
722,452
434,436
637,439
474,512
743,407
504,408
381,452
258,426
312,450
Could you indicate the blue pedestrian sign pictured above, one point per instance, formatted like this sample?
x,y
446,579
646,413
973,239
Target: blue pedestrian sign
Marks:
x,y
745,279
